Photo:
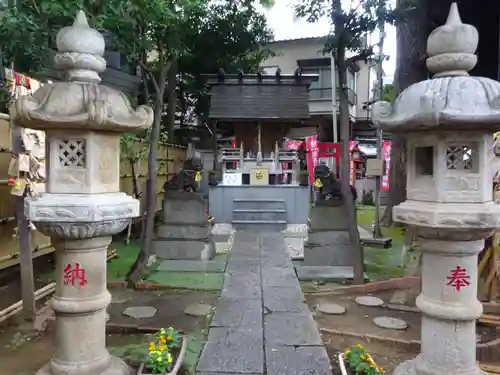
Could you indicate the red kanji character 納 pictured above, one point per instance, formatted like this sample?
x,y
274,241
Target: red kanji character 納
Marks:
x,y
76,274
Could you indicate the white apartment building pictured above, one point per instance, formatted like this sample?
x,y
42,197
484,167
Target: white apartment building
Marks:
x,y
307,54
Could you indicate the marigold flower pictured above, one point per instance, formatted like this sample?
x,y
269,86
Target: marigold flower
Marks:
x,y
347,351
152,347
162,340
169,338
162,348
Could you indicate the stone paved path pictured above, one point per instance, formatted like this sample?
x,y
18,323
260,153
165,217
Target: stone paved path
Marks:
x,y
262,325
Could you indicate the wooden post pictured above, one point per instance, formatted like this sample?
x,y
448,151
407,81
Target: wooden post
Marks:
x,y
24,241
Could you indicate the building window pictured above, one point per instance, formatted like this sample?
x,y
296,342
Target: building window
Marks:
x,y
269,69
351,80
322,88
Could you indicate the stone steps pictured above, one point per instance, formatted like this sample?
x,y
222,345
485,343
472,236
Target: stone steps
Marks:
x,y
256,204
259,214
260,225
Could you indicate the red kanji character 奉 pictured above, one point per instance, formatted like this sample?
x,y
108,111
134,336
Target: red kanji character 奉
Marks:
x,y
458,278
76,274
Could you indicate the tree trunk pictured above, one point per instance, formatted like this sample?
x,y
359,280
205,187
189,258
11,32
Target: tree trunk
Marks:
x,y
411,35
135,188
135,273
345,185
171,101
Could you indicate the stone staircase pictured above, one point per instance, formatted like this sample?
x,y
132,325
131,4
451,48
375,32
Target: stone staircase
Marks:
x,y
259,214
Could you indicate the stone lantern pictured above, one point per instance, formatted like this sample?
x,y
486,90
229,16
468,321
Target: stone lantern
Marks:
x,y
448,122
82,207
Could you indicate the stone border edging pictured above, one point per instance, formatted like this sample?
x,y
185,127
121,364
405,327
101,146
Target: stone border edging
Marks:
x,y
154,286
399,283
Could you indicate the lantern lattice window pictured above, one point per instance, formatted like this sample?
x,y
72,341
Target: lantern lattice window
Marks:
x,y
461,157
72,153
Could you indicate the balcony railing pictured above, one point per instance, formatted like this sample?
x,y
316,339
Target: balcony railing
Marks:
x,y
326,93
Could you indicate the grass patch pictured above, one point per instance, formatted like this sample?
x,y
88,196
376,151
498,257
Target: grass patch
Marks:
x,y
188,280
119,267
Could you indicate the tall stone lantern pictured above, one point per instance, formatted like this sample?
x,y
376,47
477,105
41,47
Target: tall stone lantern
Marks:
x,y
82,206
448,122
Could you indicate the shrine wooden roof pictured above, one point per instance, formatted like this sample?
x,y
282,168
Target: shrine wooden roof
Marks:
x,y
246,97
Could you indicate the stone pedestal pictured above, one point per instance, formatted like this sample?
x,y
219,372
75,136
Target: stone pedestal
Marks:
x,y
184,232
449,307
328,242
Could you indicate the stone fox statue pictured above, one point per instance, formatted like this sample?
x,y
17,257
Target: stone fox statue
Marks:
x,y
186,179
327,186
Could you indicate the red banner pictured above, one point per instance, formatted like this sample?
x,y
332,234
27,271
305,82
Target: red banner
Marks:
x,y
352,166
386,157
312,156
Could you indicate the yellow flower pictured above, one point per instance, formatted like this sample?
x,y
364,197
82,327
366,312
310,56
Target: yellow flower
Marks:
x,y
162,340
359,346
152,347
381,369
372,366
162,348
169,338
347,351
169,358
362,357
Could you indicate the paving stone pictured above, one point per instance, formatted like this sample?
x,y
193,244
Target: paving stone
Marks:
x,y
283,299
199,309
291,329
277,260
244,313
233,350
138,312
192,266
241,286
330,308
390,322
309,273
297,361
243,266
369,301
279,276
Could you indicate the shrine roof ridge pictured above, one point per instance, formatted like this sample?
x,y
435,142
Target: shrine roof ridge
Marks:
x,y
260,79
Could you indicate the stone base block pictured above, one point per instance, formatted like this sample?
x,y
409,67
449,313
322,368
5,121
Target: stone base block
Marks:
x,y
329,218
184,231
115,367
312,273
328,255
418,367
183,250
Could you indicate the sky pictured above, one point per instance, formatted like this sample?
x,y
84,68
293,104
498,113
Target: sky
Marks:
x,y
285,26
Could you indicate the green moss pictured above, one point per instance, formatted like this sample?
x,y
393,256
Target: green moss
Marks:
x,y
119,267
188,280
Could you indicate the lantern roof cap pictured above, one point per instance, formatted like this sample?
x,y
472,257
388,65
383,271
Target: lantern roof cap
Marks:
x,y
80,102
451,99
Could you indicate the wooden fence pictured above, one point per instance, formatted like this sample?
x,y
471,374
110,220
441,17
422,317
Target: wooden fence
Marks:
x,y
169,158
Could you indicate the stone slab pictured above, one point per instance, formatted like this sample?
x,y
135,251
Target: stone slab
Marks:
x,y
328,238
233,350
284,299
329,308
309,273
297,361
192,266
183,250
184,231
239,287
279,276
291,329
277,260
244,313
199,309
390,323
328,255
139,312
369,301
243,266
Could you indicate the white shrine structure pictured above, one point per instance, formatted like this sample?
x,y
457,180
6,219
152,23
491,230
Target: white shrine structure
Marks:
x,y
448,121
83,206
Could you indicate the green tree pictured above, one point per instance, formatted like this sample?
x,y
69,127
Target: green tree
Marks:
x,y
348,28
388,93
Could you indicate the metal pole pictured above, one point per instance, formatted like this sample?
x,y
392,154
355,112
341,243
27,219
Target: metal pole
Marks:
x,y
333,71
377,233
